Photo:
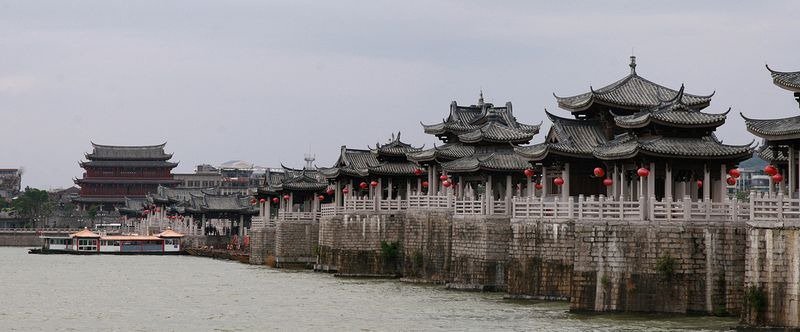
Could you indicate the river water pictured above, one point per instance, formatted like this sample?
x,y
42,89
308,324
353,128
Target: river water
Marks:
x,y
181,293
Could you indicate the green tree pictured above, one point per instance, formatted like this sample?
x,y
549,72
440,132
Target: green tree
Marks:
x,y
33,205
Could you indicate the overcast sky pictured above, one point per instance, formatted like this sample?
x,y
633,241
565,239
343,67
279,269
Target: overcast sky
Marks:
x,y
265,81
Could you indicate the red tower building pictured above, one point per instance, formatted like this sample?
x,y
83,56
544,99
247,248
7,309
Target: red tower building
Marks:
x,y
115,172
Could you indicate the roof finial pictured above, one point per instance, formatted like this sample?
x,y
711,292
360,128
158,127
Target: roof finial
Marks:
x,y
480,100
633,65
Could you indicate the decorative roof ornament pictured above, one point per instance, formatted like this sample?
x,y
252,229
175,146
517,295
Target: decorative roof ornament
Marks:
x,y
480,99
633,65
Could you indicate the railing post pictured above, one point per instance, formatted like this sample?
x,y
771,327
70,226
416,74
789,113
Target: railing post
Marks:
x,y
555,207
651,205
581,199
642,206
600,206
780,206
734,209
668,203
571,201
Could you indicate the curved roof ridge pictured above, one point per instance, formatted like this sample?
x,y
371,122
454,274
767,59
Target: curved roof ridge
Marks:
x,y
128,146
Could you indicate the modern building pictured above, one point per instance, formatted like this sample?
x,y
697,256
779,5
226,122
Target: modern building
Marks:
x,y
10,182
113,173
204,176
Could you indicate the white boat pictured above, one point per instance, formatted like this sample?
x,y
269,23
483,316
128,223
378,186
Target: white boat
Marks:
x,y
88,242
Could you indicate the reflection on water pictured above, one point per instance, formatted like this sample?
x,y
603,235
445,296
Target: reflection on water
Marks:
x,y
171,293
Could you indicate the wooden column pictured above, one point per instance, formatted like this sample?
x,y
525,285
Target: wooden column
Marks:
x,y
460,187
337,197
723,184
706,183
545,182
565,186
668,181
509,192
488,196
419,186
408,188
389,189
792,172
529,187
615,185
622,183
651,181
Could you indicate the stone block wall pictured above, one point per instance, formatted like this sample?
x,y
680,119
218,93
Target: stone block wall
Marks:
x,y
262,244
351,244
772,275
199,241
479,252
428,246
12,239
675,267
296,242
540,260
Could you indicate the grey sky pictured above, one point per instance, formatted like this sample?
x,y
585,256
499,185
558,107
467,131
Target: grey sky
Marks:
x,y
264,81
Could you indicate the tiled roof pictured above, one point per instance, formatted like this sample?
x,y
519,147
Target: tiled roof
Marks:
x,y
483,122
394,168
175,195
628,146
448,151
85,233
672,113
128,163
768,152
143,152
394,148
568,137
303,182
774,129
351,162
631,92
787,80
169,233
223,203
497,161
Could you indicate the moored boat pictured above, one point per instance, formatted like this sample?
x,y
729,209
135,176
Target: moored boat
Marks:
x,y
88,242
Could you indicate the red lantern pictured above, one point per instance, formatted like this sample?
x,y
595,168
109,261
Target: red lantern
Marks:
x,y
770,170
442,177
608,182
528,172
253,201
699,183
538,186
321,197
446,183
777,178
345,191
286,197
262,200
373,183
730,180
558,181
330,191
418,172
735,173
363,185
643,172
275,200
146,211
424,184
599,172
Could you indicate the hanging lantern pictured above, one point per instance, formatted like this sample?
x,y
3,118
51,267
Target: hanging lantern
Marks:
x,y
538,186
528,172
424,184
735,173
699,183
345,191
275,200
446,183
330,191
262,200
777,178
373,184
286,197
146,211
608,182
730,180
599,172
418,172
321,197
770,170
558,181
363,185
443,177
253,201
643,172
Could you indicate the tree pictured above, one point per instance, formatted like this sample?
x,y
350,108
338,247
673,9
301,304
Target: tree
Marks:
x,y
33,205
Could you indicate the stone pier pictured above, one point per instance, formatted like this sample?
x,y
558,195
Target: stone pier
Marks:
x,y
772,276
361,244
296,242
